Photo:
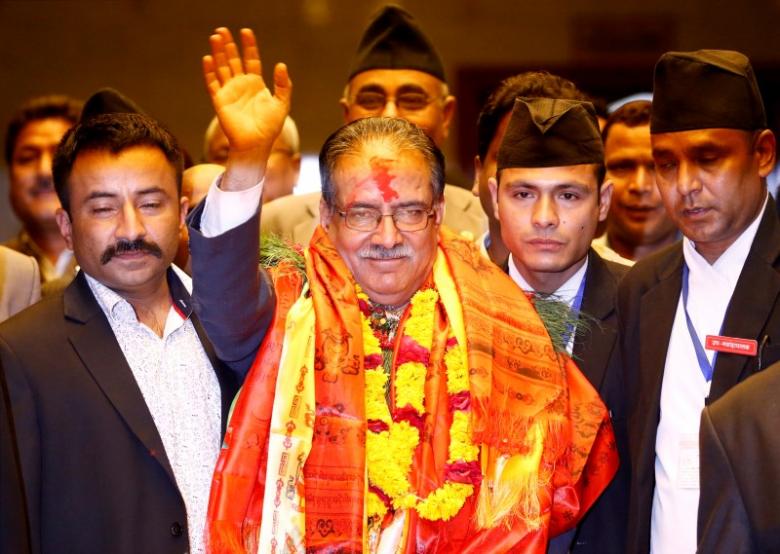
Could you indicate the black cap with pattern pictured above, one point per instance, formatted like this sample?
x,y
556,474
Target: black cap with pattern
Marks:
x,y
551,132
394,40
705,89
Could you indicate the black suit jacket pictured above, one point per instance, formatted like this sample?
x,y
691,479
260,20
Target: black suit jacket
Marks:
x,y
95,472
602,530
739,498
596,352
647,303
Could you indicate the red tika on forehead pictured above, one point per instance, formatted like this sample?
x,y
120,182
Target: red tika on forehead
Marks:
x,y
380,171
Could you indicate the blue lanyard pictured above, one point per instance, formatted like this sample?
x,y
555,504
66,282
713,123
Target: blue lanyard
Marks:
x,y
575,308
704,364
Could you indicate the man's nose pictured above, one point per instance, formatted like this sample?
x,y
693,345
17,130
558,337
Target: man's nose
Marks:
x,y
545,213
390,109
130,224
387,234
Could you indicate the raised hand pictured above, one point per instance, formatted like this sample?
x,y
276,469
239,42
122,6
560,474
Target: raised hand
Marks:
x,y
249,114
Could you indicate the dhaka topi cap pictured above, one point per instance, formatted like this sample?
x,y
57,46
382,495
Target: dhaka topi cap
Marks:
x,y
108,101
551,132
394,40
706,89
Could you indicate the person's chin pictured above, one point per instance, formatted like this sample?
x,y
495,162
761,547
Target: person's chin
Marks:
x,y
549,263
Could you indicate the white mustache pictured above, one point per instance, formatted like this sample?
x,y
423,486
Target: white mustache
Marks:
x,y
381,253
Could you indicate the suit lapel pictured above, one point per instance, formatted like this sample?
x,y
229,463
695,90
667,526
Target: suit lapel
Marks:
x,y
97,347
594,345
752,302
658,308
228,383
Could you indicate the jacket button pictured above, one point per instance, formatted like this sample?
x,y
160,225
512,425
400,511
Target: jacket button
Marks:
x,y
176,529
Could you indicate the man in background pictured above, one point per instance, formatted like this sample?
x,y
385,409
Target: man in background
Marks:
x,y
284,164
31,139
396,72
637,224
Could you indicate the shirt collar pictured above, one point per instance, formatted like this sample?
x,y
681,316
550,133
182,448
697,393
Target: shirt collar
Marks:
x,y
566,292
729,264
114,306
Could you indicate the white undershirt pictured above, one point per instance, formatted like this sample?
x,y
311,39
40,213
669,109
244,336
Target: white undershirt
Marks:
x,y
684,390
565,293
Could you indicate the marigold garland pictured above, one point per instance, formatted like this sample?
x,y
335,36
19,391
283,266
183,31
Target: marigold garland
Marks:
x,y
391,441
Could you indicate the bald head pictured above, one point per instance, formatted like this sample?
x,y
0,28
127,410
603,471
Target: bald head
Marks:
x,y
284,163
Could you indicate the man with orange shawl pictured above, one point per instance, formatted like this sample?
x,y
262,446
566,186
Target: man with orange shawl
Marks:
x,y
406,396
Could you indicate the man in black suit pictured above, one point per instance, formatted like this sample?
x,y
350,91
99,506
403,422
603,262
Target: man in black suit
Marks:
x,y
683,309
117,401
738,507
549,197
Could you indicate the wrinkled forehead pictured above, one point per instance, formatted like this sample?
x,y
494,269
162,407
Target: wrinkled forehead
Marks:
x,y
695,140
395,81
622,138
380,173
45,129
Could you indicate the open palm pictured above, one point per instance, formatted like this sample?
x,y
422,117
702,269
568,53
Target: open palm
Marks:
x,y
249,114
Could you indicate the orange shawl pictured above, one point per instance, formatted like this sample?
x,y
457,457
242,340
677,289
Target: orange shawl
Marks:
x,y
534,413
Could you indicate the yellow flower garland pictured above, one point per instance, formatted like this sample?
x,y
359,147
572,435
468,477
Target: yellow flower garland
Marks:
x,y
390,452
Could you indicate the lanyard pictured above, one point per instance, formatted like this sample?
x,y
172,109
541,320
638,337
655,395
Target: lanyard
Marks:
x,y
575,308
704,364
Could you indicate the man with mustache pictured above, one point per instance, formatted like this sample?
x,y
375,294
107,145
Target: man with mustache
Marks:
x,y
32,137
701,315
117,402
637,223
407,397
548,196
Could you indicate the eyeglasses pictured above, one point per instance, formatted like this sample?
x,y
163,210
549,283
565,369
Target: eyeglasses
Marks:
x,y
372,101
368,219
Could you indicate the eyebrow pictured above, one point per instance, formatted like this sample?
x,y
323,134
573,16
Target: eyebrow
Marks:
x,y
411,88
408,204
371,87
407,88
98,194
557,186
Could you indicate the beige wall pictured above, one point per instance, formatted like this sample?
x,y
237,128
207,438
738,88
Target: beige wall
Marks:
x,y
151,49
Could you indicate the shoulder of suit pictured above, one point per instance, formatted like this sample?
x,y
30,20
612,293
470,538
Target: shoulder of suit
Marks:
x,y
749,401
458,197
617,269
34,323
17,260
654,266
287,206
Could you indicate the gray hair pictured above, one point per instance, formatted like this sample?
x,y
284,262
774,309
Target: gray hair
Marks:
x,y
399,133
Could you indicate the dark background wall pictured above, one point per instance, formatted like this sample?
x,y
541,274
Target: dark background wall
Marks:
x,y
151,50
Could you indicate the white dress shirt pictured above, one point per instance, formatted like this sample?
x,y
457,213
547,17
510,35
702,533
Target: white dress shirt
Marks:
x,y
565,293
225,210
181,391
684,390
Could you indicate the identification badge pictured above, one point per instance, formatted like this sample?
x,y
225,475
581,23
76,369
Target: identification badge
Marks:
x,y
731,345
688,470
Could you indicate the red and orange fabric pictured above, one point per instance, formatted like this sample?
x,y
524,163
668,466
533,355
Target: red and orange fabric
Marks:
x,y
547,448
